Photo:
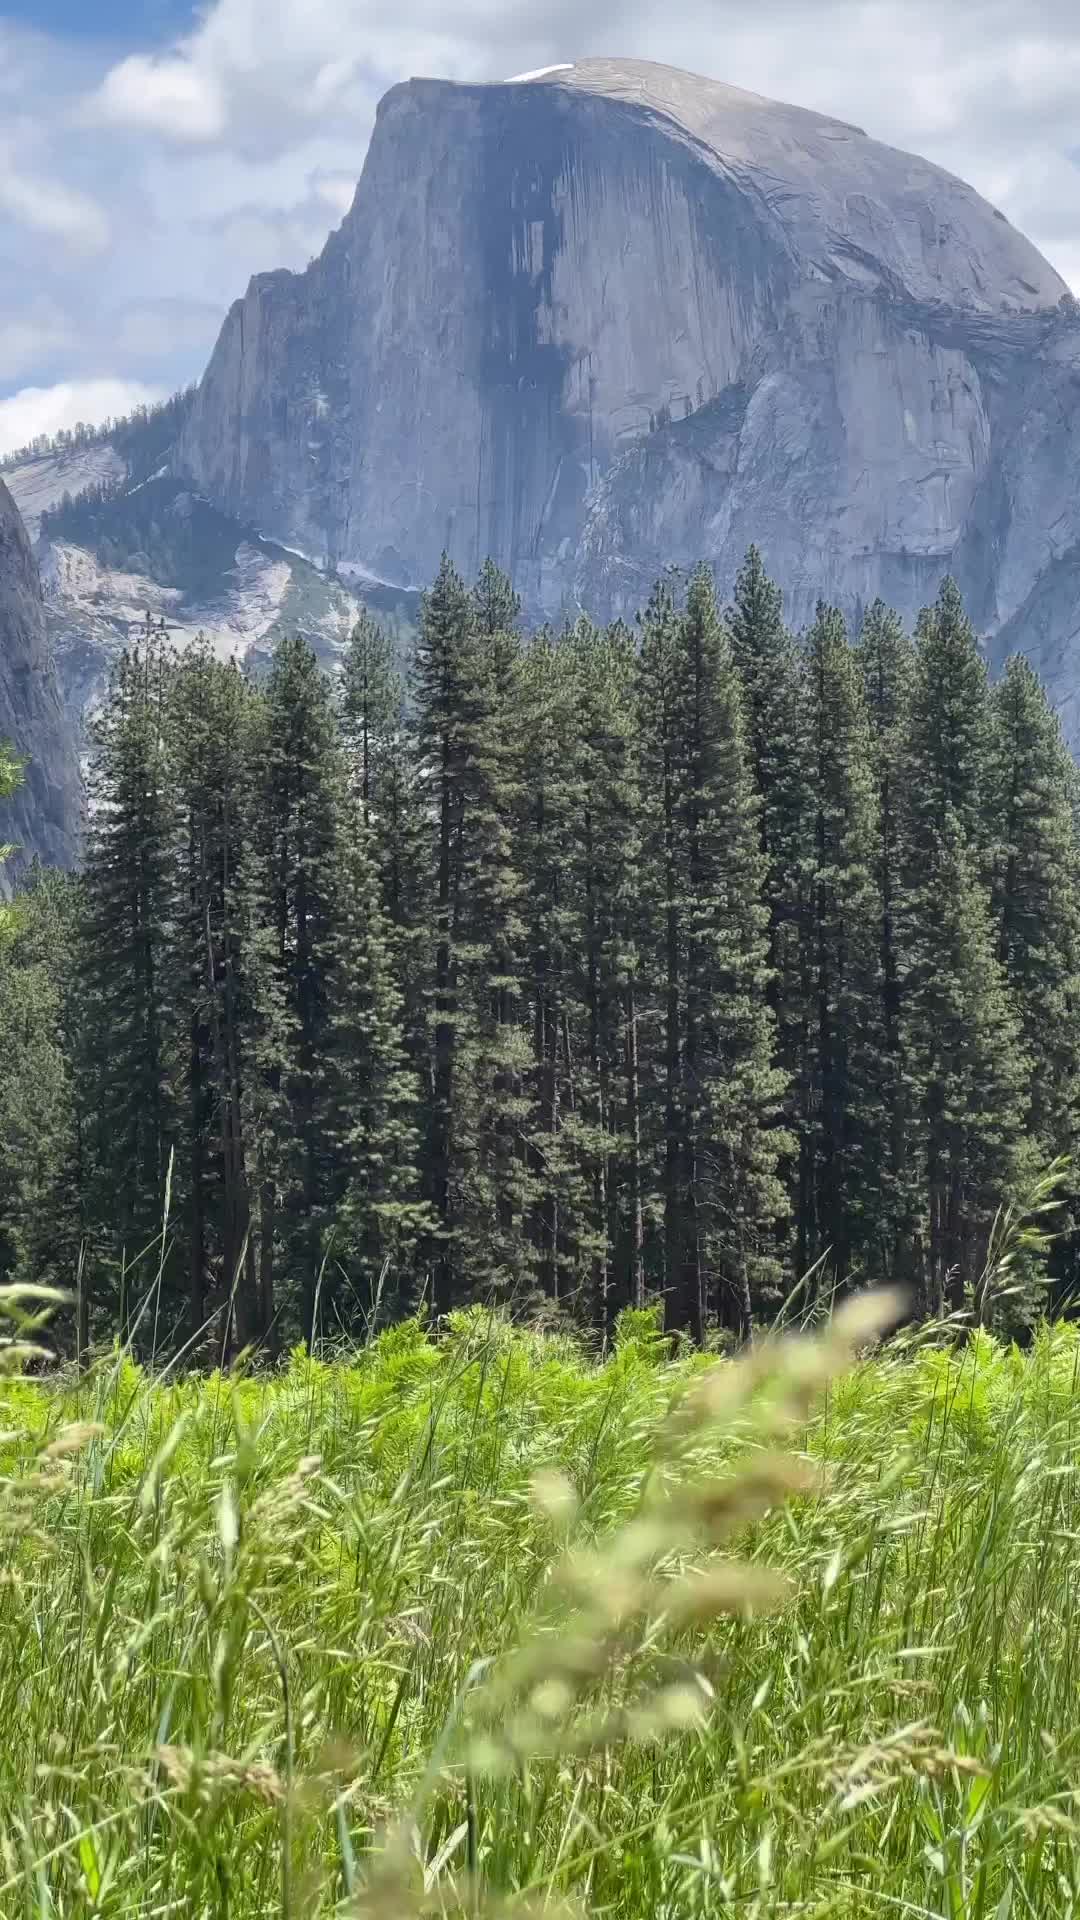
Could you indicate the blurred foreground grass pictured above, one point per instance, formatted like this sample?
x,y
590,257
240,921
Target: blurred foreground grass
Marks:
x,y
482,1627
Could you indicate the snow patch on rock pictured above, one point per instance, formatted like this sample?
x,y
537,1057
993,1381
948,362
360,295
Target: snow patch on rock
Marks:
x,y
540,73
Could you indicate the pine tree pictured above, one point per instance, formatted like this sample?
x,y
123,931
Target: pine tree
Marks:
x,y
387,785
42,1122
887,660
962,1045
705,860
494,922
292,888
1036,899
769,669
605,859
130,909
443,672
948,734
496,606
373,1209
557,1203
371,701
844,1127
658,732
959,1036
462,684
767,662
1036,904
209,717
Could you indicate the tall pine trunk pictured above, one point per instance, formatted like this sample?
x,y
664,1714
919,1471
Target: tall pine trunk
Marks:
x,y
442,1281
635,1290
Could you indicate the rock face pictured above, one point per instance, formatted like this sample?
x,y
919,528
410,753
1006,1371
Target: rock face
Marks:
x,y
617,317
44,816
154,548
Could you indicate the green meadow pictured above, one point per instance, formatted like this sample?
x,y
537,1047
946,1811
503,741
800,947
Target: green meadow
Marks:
x,y
486,1624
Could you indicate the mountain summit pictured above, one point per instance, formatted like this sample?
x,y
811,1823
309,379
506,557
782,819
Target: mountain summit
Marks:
x,y
615,316
596,321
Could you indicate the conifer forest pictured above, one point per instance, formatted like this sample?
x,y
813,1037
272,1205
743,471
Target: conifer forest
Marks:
x,y
572,971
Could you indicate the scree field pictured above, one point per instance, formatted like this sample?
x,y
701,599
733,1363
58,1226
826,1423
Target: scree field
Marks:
x,y
487,1626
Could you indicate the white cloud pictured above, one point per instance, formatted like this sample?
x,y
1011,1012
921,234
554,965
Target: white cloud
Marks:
x,y
35,410
175,96
49,207
274,71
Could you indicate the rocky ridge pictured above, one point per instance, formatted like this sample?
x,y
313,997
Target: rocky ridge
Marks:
x,y
156,549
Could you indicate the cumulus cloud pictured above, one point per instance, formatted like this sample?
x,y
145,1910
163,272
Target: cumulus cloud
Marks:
x,y
34,410
260,73
176,97
52,208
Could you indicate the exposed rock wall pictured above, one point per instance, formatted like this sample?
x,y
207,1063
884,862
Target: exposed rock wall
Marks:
x,y
44,816
619,317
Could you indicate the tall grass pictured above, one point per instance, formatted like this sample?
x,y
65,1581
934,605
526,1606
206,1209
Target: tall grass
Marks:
x,y
481,1626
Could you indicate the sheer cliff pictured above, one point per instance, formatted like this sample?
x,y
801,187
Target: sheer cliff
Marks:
x,y
615,317
43,818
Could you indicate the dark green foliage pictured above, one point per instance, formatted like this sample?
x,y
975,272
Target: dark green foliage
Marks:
x,y
886,658
1036,908
948,734
708,965
130,895
211,713
769,668
465,730
294,878
385,782
159,528
844,1128
1036,900
960,1036
604,872
596,972
546,845
966,1066
371,713
373,1216
42,1118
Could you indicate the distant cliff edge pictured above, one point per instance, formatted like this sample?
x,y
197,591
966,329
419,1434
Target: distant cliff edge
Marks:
x,y
45,814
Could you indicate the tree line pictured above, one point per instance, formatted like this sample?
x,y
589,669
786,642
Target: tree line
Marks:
x,y
571,969
144,437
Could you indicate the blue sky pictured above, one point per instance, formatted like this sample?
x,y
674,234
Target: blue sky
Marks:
x,y
153,155
126,22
